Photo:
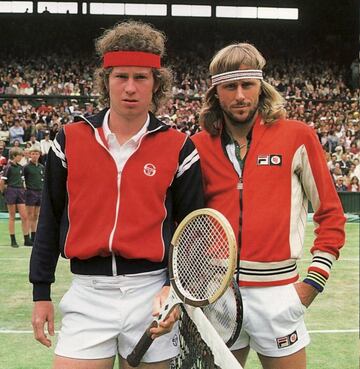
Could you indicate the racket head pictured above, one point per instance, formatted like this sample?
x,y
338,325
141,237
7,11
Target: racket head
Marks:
x,y
226,314
202,257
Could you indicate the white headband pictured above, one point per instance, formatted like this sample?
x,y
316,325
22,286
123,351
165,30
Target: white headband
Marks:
x,y
236,75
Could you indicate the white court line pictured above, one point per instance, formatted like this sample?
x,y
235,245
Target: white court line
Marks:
x,y
25,258
11,331
322,331
340,259
334,331
62,259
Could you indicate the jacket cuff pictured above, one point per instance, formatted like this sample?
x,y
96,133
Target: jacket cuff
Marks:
x,y
41,292
319,270
310,280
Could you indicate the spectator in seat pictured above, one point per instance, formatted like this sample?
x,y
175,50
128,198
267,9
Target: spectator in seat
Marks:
x,y
16,132
340,185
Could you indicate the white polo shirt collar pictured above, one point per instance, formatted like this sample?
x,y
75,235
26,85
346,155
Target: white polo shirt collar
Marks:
x,y
121,153
137,136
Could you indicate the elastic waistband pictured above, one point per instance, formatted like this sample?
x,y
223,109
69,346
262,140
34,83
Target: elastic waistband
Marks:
x,y
120,281
253,273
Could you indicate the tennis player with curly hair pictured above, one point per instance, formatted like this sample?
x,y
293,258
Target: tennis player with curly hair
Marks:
x,y
113,213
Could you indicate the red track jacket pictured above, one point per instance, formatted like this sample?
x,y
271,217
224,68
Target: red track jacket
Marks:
x,y
285,167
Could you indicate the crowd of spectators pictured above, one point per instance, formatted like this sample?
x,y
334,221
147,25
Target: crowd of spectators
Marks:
x,y
51,90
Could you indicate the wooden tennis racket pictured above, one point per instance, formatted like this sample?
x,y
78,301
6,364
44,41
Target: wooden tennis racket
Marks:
x,y
202,259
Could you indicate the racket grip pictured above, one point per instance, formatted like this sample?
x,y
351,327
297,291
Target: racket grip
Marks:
x,y
141,347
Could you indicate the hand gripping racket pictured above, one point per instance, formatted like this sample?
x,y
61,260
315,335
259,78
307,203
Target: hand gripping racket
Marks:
x,y
202,259
226,314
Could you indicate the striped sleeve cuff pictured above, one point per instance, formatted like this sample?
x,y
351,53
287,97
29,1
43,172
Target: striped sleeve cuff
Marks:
x,y
319,270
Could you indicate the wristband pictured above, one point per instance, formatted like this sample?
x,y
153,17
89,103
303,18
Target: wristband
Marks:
x,y
315,280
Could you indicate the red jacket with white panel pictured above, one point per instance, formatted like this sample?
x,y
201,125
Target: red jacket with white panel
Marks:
x,y
284,169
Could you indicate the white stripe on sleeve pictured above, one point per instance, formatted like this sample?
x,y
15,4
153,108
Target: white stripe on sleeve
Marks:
x,y
187,163
58,152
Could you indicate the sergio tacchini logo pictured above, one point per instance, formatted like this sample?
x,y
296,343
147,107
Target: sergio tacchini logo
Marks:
x,y
149,169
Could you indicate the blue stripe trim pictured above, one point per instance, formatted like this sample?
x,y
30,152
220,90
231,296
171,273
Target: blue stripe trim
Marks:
x,y
311,282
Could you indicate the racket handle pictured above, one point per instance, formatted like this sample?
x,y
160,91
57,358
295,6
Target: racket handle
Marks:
x,y
141,347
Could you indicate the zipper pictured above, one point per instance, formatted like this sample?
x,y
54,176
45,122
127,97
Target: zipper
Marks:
x,y
240,187
111,238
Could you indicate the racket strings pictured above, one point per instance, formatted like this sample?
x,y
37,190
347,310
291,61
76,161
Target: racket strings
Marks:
x,y
202,258
225,314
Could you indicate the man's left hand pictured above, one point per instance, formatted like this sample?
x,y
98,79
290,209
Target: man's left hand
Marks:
x,y
306,293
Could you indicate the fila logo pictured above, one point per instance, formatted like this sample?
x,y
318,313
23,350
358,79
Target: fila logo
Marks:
x,y
287,341
149,169
269,160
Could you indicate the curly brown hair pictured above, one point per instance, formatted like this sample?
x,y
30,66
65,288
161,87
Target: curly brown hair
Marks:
x,y
133,36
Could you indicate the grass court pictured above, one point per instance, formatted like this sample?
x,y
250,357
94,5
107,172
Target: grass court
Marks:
x,y
333,318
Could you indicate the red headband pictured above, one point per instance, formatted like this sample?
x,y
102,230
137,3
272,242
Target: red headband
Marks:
x,y
131,58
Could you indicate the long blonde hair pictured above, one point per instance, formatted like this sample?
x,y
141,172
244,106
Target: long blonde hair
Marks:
x,y
133,36
271,103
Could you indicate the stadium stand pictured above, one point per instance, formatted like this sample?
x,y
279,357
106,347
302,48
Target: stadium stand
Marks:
x,y
46,75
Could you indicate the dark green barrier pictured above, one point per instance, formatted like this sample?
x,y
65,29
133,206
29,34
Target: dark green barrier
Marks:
x,y
350,202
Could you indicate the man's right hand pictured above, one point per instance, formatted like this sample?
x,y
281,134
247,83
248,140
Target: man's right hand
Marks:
x,y
43,313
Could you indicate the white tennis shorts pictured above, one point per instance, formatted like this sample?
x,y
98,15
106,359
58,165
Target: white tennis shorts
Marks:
x,y
273,323
104,316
